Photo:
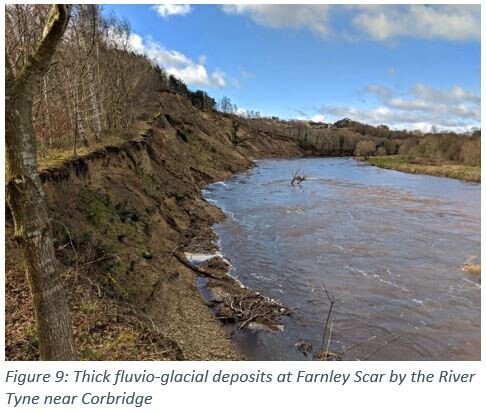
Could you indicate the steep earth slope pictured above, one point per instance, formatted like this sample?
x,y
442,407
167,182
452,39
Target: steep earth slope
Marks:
x,y
118,216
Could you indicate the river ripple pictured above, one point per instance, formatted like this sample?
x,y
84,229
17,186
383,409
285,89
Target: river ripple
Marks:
x,y
394,241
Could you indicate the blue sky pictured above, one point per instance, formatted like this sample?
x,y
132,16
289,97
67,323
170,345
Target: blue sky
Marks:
x,y
405,66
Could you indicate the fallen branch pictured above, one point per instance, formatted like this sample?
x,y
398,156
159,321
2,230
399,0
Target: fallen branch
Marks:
x,y
72,247
95,285
356,345
235,304
380,348
183,260
297,179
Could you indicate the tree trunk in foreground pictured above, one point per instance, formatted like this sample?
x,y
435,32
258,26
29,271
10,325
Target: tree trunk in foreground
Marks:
x,y
25,196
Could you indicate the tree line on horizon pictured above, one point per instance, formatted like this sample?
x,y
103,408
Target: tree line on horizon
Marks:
x,y
96,85
347,138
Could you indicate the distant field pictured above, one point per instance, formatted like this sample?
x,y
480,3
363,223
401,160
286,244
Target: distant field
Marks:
x,y
398,162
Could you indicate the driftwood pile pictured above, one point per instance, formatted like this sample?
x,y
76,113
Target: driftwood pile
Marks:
x,y
245,308
233,303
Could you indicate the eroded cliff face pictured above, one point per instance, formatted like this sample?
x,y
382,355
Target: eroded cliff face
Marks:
x,y
118,215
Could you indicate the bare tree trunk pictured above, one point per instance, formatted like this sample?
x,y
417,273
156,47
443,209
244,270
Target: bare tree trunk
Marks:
x,y
79,128
68,99
45,118
95,109
25,197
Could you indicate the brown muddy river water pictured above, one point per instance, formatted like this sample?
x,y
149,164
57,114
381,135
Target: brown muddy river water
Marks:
x,y
394,241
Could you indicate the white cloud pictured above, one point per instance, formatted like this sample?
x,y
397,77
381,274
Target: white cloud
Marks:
x,y
247,75
311,16
449,22
454,94
178,64
378,90
166,10
318,118
378,22
218,78
424,106
241,112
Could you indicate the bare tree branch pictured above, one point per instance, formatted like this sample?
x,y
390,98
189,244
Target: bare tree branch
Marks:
x,y
38,63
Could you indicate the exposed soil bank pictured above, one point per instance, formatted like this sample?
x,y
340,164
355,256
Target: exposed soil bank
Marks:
x,y
397,162
119,215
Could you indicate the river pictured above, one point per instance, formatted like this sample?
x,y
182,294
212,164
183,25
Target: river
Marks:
x,y
392,243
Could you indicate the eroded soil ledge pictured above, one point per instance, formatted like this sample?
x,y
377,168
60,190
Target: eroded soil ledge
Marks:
x,y
121,216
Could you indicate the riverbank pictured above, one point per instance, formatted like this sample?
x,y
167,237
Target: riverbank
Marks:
x,y
399,163
122,216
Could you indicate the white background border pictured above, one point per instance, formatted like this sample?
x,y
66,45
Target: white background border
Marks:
x,y
247,398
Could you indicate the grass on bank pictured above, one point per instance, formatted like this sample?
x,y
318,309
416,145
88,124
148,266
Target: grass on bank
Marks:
x,y
450,170
60,156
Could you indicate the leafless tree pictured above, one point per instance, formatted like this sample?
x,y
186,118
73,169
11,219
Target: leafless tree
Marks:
x,y
95,82
296,178
365,148
25,195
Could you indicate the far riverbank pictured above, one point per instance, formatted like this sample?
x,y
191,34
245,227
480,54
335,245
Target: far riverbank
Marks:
x,y
450,170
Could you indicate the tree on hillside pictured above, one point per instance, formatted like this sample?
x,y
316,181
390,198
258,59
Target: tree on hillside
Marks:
x,y
471,151
25,195
365,148
177,85
225,105
202,100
